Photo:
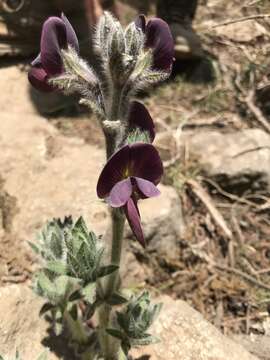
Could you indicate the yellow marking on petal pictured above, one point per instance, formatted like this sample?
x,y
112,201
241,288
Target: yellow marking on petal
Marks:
x,y
126,173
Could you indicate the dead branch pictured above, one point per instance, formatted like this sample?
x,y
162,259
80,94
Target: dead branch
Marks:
x,y
245,18
207,201
203,256
250,102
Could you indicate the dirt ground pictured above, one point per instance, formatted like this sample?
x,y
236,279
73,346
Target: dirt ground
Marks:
x,y
224,91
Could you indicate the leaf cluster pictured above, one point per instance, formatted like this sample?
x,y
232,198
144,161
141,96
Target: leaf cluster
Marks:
x,y
134,322
72,260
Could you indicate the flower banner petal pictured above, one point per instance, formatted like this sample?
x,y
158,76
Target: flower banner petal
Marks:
x,y
113,171
53,39
145,162
160,39
139,117
120,193
71,34
133,218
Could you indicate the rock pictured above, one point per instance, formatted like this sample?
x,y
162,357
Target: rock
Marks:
x,y
258,345
166,144
238,161
163,226
20,325
183,332
244,32
185,335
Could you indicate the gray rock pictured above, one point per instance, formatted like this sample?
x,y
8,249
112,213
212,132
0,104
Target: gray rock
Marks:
x,y
20,325
185,335
163,223
258,345
239,161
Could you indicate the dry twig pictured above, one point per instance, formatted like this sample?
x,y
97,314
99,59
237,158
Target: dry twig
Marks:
x,y
238,20
250,102
206,199
203,256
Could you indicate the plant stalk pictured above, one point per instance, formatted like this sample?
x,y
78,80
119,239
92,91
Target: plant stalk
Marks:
x,y
110,346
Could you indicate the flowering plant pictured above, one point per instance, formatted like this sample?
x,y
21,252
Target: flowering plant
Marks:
x,y
74,278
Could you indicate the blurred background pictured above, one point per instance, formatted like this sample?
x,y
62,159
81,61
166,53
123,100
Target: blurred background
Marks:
x,y
209,234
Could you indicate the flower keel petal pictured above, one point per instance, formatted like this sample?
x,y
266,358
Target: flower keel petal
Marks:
x,y
38,77
133,218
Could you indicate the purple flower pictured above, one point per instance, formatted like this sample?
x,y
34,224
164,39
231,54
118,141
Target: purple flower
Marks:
x,y
57,34
132,173
139,117
158,38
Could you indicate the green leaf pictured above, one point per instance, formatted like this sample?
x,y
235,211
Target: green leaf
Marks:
x,y
107,270
117,299
89,293
81,227
43,356
35,248
58,328
56,244
146,340
45,308
66,285
116,333
156,311
44,284
1,357
57,267
76,295
121,320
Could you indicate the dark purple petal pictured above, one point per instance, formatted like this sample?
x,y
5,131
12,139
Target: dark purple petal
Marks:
x,y
145,162
147,188
159,38
133,217
140,117
140,22
36,61
120,193
38,77
139,160
53,39
71,35
113,172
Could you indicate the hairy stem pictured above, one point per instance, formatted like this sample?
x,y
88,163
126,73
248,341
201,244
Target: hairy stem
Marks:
x,y
76,329
110,346
116,101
